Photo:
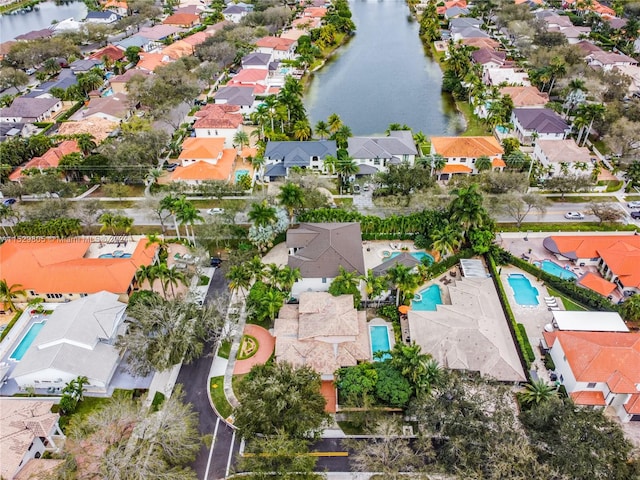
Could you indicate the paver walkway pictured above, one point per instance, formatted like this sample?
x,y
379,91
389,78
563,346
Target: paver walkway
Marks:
x,y
266,345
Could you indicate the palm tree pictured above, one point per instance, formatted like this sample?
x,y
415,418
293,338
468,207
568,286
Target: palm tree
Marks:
x,y
155,239
51,66
287,277
108,220
537,392
8,293
341,136
86,143
466,208
345,167
438,162
373,285
161,272
334,122
302,130
404,281
271,275
262,214
241,139
146,272
270,303
123,222
258,163
445,241
291,196
329,164
592,112
172,277
187,214
410,361
255,268
483,163
239,278
322,129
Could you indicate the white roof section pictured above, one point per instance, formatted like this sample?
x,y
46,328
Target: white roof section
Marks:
x,y
472,267
589,321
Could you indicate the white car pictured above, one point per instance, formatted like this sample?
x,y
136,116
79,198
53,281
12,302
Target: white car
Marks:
x,y
634,204
215,211
574,216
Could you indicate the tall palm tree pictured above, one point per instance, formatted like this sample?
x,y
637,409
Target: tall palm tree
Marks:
x,y
466,207
239,278
108,221
258,163
302,130
438,162
146,272
537,392
271,275
373,285
86,143
270,303
161,272
171,278
262,214
241,139
410,361
155,239
483,163
404,281
291,196
446,240
341,136
334,122
322,129
256,268
8,293
287,277
329,164
345,167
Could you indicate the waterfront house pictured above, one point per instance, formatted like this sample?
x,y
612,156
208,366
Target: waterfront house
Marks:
x,y
29,110
204,159
5,48
118,6
258,61
50,159
36,34
375,154
461,154
562,157
501,76
529,97
320,249
599,369
279,48
280,157
215,120
28,430
76,340
532,124
242,97
489,57
105,17
234,13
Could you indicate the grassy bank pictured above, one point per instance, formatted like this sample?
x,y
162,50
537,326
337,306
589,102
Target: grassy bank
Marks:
x,y
475,126
219,398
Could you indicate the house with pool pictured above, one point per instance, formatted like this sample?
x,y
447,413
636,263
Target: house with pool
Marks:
x,y
320,249
280,157
215,121
204,159
61,270
76,339
325,333
615,257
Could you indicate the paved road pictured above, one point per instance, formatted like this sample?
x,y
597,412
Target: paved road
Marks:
x,y
195,380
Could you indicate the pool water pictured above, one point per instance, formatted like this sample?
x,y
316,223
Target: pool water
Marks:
x,y
107,93
554,269
379,341
110,255
430,298
240,173
26,341
523,291
417,255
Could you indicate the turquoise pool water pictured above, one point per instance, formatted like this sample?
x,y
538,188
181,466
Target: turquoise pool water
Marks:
x,y
110,255
108,92
417,255
26,341
240,173
554,269
525,294
379,335
430,297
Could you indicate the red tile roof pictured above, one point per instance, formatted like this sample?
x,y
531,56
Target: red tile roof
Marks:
x,y
111,51
456,168
277,43
194,148
609,357
588,397
497,162
203,170
250,76
633,405
595,282
467,147
219,116
51,159
181,19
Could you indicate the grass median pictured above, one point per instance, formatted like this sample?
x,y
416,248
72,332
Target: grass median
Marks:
x,y
219,398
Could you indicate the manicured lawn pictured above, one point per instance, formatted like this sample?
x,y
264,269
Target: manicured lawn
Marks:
x,y
631,198
235,382
569,304
582,199
344,202
475,126
225,349
11,324
566,227
86,406
226,204
349,429
219,398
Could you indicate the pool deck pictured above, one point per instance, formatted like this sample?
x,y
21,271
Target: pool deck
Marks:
x,y
373,250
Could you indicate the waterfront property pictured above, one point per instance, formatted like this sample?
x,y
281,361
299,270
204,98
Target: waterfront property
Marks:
x,y
538,123
461,154
375,154
524,293
280,157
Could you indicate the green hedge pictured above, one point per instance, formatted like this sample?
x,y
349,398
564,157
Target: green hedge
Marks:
x,y
10,324
439,268
588,298
158,400
525,352
65,116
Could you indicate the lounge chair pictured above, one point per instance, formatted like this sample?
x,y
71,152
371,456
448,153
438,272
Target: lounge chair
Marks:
x,y
550,298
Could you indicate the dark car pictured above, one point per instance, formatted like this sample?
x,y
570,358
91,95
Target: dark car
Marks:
x,y
635,215
170,167
215,262
9,201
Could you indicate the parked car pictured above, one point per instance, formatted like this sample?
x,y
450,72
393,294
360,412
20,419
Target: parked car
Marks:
x,y
356,188
634,204
170,167
9,201
215,262
635,215
574,216
215,211
366,187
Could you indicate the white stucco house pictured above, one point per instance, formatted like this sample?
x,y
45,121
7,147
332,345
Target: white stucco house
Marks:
x,y
218,121
562,157
375,154
532,124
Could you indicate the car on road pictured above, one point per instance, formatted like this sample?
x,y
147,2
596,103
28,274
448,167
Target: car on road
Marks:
x,y
215,211
635,215
9,201
215,262
574,216
634,204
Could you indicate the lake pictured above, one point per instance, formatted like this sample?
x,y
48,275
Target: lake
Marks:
x,y
13,25
383,76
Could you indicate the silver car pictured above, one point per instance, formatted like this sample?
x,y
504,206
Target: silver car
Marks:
x,y
574,216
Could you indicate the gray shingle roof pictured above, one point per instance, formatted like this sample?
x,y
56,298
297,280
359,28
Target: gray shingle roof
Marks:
x,y
236,95
256,58
24,107
100,15
542,120
85,65
299,153
404,258
322,248
397,143
231,9
275,170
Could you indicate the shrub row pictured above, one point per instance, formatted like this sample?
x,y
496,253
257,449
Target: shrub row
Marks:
x,y
525,351
588,298
58,227
440,267
65,116
10,324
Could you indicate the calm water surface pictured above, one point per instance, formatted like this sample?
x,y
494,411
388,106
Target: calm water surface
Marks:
x,y
13,25
383,76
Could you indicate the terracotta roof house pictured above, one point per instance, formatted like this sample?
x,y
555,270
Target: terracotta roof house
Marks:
x,y
59,270
214,120
77,339
461,154
234,13
118,6
314,12
561,157
51,159
151,61
279,48
204,159
119,82
374,154
112,52
243,97
470,333
185,20
595,282
615,256
178,50
98,128
541,123
195,39
454,3
28,429
599,369
526,96
249,77
281,156
29,110
588,48
320,249
480,42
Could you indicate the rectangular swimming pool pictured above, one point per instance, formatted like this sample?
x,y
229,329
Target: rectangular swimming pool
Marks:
x,y
379,335
26,341
427,299
523,291
554,269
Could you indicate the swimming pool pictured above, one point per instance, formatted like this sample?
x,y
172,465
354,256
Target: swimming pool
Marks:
x,y
26,341
428,299
380,342
111,255
107,93
554,269
523,291
417,255
240,173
